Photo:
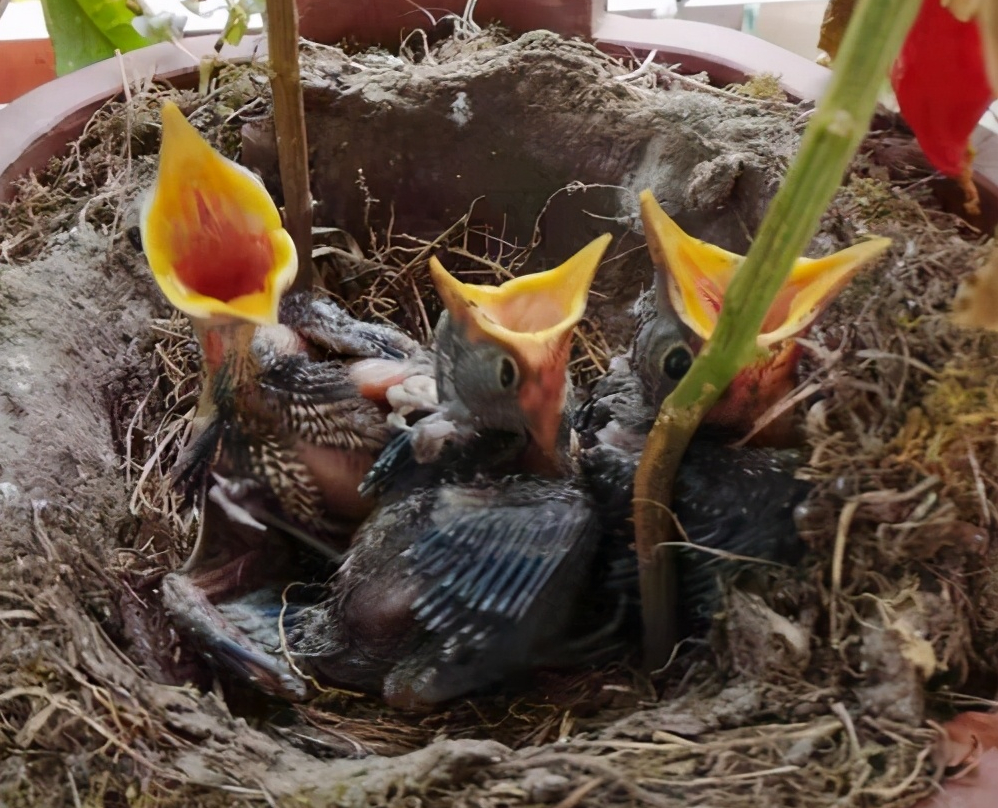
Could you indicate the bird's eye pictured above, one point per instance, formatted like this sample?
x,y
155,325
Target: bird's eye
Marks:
x,y
508,374
676,362
134,238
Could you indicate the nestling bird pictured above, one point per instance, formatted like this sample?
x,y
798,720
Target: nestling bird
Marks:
x,y
297,394
472,567
288,422
692,278
736,500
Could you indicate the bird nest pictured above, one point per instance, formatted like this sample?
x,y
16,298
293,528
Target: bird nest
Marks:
x,y
505,156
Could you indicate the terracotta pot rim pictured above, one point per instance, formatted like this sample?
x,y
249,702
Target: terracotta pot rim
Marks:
x,y
733,54
57,111
34,124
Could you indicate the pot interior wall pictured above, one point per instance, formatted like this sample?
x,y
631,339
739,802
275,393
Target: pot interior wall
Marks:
x,y
524,138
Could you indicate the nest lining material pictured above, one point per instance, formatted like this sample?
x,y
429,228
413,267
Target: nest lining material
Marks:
x,y
814,692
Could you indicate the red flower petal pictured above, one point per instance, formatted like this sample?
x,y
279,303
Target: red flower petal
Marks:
x,y
941,85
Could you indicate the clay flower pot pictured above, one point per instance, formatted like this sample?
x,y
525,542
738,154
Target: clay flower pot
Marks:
x,y
40,124
61,314
26,56
25,64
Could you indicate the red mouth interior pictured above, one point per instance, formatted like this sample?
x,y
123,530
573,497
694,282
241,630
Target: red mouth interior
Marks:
x,y
219,257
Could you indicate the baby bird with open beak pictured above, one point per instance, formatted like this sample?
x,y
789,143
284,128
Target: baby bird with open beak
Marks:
x,y
288,423
293,410
487,553
472,567
691,279
736,500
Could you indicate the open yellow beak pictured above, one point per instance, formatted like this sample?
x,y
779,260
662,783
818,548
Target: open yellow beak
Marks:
x,y
211,232
530,317
697,275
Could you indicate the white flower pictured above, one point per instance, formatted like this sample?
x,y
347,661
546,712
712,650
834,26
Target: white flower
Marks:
x,y
162,27
254,6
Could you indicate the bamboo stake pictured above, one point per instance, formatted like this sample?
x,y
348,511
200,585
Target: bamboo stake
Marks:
x,y
289,123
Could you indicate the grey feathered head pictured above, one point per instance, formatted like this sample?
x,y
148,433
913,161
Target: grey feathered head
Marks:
x,y
504,349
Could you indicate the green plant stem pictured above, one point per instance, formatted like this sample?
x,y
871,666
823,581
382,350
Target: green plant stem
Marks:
x,y
292,141
872,42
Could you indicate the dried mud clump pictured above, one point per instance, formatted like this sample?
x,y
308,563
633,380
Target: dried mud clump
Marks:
x,y
501,156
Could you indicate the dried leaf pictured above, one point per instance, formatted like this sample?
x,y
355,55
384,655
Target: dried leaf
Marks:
x,y
976,302
833,26
971,749
969,731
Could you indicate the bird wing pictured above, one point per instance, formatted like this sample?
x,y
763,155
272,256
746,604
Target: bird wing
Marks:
x,y
318,403
329,326
739,502
494,562
395,462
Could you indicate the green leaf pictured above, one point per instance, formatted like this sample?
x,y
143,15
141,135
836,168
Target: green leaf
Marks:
x,y
86,31
235,25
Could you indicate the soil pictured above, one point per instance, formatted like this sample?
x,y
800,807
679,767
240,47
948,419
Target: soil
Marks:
x,y
516,154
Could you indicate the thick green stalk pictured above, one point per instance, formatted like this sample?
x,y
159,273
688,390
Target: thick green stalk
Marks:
x,y
872,42
289,123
